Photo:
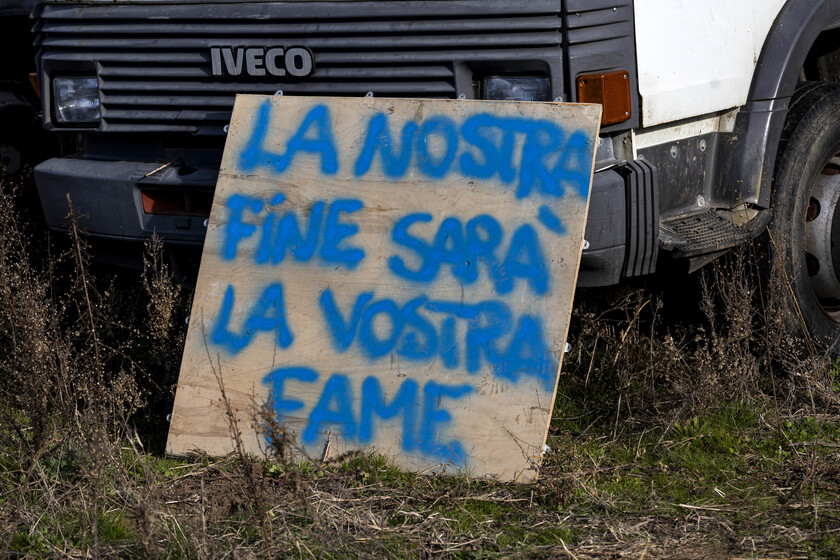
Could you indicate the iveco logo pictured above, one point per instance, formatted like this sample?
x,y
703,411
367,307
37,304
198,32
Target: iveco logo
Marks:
x,y
259,61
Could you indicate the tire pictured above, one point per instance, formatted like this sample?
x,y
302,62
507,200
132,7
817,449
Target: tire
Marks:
x,y
18,128
806,208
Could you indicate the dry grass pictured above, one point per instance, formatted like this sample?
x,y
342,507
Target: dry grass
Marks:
x,y
717,439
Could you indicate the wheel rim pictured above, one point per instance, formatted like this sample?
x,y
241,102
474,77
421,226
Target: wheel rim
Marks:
x,y
822,225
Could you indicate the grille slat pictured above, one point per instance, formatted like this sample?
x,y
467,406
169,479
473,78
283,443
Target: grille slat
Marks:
x,y
308,87
154,61
284,29
142,100
304,12
154,127
197,59
314,42
162,115
599,33
372,72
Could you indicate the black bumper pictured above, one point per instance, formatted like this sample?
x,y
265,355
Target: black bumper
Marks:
x,y
107,197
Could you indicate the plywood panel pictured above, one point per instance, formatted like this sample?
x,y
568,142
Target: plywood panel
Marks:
x,y
393,274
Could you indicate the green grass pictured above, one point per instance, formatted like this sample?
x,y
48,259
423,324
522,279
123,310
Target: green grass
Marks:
x,y
735,465
67,532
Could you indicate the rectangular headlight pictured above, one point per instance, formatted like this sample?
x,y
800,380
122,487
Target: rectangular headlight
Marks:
x,y
76,100
517,88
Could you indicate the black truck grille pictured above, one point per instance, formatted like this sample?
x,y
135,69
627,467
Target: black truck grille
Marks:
x,y
155,67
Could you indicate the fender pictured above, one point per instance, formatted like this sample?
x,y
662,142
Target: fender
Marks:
x,y
747,173
12,99
17,7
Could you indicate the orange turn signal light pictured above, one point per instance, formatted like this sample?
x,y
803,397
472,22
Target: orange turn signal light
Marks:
x,y
610,90
35,83
177,203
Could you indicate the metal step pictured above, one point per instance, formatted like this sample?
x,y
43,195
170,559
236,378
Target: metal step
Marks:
x,y
707,232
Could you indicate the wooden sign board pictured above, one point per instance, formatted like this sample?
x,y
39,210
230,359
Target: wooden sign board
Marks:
x,y
393,274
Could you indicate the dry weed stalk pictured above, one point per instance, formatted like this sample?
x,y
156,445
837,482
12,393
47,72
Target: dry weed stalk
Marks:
x,y
63,401
164,296
254,482
654,368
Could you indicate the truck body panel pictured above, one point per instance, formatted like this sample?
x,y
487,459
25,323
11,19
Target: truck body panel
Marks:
x,y
702,61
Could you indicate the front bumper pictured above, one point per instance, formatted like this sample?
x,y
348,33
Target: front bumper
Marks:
x,y
107,199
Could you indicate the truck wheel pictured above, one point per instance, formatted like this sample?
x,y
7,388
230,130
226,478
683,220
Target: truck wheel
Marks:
x,y
805,232
17,126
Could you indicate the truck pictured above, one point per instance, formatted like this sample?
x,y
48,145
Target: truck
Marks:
x,y
721,119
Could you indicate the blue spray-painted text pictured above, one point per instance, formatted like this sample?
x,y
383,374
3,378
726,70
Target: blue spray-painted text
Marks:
x,y
461,335
532,155
420,412
282,232
465,248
